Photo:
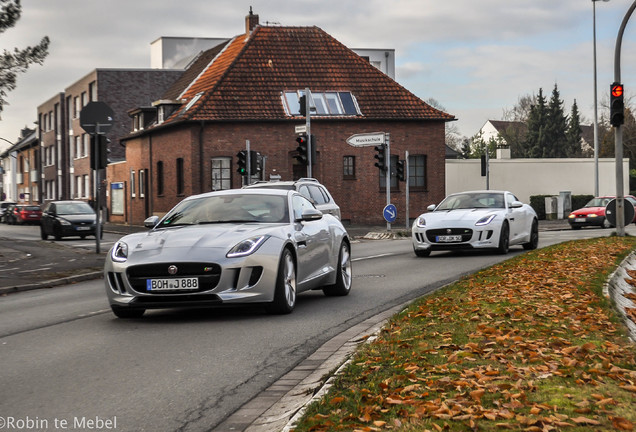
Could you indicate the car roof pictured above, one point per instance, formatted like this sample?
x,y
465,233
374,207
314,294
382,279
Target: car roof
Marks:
x,y
251,191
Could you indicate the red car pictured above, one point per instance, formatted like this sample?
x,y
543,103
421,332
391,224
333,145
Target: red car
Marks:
x,y
593,213
23,214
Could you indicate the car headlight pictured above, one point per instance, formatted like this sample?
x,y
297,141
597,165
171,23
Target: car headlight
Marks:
x,y
485,220
119,252
592,215
64,221
420,222
247,247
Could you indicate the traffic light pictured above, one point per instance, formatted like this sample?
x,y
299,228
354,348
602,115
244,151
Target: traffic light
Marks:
x,y
255,162
399,170
303,105
302,149
99,149
617,106
380,156
242,162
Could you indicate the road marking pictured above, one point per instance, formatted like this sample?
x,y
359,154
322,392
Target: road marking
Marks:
x,y
35,270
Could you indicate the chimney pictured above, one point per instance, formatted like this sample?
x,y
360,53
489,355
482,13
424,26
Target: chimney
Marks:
x,y
251,21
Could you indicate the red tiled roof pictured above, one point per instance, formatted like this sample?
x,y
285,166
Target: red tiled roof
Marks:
x,y
246,80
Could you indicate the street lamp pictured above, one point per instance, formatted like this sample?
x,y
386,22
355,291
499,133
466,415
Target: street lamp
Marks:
x,y
596,193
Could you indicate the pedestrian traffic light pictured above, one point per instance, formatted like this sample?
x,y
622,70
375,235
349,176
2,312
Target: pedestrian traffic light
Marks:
x,y
99,151
302,149
617,106
255,162
381,157
241,162
399,170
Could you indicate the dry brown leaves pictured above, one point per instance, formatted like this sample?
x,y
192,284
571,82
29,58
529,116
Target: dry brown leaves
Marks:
x,y
524,345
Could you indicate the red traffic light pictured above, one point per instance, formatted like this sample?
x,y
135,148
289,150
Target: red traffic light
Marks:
x,y
617,90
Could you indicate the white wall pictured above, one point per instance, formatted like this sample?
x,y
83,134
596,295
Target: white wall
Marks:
x,y
526,177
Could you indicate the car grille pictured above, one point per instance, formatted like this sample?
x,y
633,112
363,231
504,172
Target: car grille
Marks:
x,y
207,273
466,233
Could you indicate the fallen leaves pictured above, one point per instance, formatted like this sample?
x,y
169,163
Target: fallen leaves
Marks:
x,y
525,345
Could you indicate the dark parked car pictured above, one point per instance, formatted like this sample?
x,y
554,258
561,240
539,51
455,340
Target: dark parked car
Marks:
x,y
23,214
3,207
67,219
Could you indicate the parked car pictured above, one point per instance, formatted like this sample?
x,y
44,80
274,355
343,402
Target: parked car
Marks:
x,y
476,220
68,218
310,188
237,246
593,213
3,207
23,214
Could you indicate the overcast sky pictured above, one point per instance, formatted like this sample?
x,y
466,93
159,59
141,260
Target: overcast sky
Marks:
x,y
476,58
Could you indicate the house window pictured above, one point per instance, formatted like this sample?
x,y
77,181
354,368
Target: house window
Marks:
x,y
78,146
86,142
133,192
349,167
84,99
76,107
180,177
92,91
87,185
160,178
394,181
326,103
221,173
417,171
142,183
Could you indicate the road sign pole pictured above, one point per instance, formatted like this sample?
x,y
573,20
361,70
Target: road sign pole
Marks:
x,y
248,162
96,161
387,175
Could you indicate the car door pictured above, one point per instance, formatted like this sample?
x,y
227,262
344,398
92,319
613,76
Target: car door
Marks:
x,y
517,218
48,216
312,245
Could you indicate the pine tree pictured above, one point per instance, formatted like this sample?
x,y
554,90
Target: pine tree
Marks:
x,y
534,144
18,61
556,126
573,133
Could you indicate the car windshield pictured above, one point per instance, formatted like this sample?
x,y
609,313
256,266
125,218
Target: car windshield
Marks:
x,y
73,208
238,208
598,202
472,201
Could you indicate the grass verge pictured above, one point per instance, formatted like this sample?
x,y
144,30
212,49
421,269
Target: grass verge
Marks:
x,y
529,344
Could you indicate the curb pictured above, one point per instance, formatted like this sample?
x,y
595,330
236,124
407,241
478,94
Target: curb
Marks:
x,y
52,283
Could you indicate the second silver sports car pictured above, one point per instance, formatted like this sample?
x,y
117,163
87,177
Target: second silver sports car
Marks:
x,y
476,220
246,246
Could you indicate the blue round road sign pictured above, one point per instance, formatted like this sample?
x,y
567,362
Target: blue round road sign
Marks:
x,y
390,213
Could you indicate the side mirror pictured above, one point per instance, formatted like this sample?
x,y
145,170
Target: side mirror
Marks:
x,y
311,214
151,222
431,207
516,204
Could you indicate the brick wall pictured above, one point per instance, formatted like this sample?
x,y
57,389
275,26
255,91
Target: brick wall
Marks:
x,y
361,199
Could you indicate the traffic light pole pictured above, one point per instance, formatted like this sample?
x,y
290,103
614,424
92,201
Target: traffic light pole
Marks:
x,y
308,132
618,133
248,161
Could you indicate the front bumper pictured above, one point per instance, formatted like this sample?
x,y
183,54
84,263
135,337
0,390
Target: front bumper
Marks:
x,y
457,238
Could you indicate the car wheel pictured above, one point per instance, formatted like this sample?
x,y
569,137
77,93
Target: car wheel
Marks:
x,y
606,223
127,312
43,233
285,290
344,276
504,239
422,253
534,237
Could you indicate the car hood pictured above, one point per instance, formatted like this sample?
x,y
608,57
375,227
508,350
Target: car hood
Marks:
x,y
77,218
191,237
589,210
459,215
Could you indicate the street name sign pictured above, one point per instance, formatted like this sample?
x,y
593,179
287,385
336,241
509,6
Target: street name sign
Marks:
x,y
366,139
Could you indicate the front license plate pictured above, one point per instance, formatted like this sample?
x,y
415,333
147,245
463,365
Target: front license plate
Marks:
x,y
579,219
83,228
172,284
449,238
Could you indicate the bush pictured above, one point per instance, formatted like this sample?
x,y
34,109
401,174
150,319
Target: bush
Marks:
x,y
579,201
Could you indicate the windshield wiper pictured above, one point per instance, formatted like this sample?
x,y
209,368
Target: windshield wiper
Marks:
x,y
227,221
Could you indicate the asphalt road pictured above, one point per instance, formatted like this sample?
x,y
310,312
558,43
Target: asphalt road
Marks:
x,y
66,358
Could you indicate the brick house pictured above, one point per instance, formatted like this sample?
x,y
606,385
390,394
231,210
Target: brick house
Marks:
x,y
19,173
248,89
66,171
